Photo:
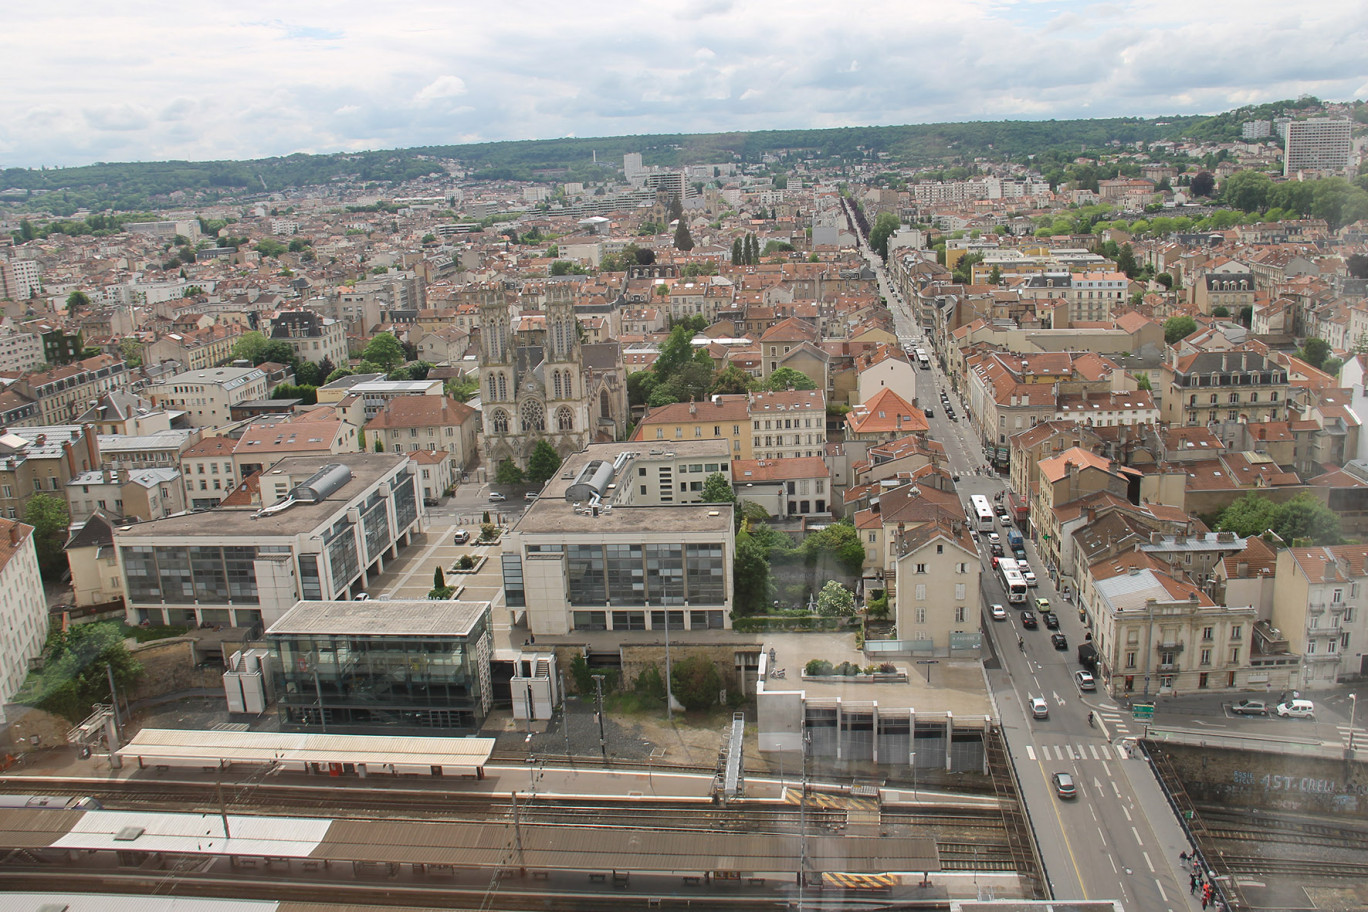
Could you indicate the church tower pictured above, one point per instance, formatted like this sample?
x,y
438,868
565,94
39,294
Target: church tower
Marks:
x,y
567,412
498,392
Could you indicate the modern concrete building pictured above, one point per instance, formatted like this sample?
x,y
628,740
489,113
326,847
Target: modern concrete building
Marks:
x,y
325,524
1319,144
618,537
389,666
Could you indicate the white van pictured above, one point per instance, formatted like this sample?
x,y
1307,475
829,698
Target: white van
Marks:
x,y
1297,709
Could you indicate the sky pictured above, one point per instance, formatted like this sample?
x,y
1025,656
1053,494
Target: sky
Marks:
x,y
149,80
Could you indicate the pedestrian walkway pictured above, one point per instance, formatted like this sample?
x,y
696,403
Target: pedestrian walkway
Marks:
x,y
1102,752
1357,737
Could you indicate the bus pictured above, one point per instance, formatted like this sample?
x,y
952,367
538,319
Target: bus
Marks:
x,y
1012,580
922,361
980,512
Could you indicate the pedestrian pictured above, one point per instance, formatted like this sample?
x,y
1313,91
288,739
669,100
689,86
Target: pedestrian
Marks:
x,y
1183,856
1205,900
1192,884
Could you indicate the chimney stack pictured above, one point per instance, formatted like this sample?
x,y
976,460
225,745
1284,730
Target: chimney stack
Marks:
x,y
15,534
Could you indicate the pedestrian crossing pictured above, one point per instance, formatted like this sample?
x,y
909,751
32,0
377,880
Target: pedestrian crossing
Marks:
x,y
1360,736
1101,751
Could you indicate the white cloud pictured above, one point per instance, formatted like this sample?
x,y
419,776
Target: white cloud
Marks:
x,y
242,80
441,88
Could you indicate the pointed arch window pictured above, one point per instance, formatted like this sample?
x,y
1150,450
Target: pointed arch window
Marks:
x,y
500,421
503,388
565,419
556,377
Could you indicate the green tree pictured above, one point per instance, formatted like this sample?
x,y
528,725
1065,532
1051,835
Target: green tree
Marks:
x,y
1251,515
835,600
1164,279
270,247
307,374
1220,310
249,347
717,489
640,385
677,351
995,276
676,208
1247,316
338,374
76,666
1142,382
1247,191
737,255
731,380
885,224
682,239
786,378
277,351
76,302
1178,327
1125,261
543,464
1314,351
696,682
130,349
1203,184
438,578
385,351
751,574
508,473
1357,263
1305,517
49,517
835,549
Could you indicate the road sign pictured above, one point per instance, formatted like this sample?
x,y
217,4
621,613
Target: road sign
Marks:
x,y
1142,711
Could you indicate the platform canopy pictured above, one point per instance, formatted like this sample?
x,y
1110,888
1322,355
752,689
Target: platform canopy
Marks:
x,y
164,746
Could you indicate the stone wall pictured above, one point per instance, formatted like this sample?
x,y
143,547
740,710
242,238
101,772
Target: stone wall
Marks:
x,y
1271,782
169,666
636,659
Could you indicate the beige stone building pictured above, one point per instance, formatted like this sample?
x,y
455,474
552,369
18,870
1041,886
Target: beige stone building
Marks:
x,y
937,573
23,607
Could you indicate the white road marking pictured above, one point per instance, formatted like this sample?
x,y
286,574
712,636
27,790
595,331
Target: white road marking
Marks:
x,y
1162,894
1030,752
1138,841
1069,748
1148,863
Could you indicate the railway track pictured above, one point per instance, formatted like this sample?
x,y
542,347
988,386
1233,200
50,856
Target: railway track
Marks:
x,y
1292,867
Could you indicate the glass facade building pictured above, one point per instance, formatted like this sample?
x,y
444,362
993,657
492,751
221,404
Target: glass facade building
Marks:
x,y
368,682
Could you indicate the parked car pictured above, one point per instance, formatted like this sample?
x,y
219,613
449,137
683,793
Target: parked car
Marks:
x,y
1039,708
1051,620
1042,605
1030,577
496,497
1028,620
996,549
999,613
1297,709
461,537
1249,708
1060,641
530,496
361,597
1085,680
1064,785
430,501
994,538
930,413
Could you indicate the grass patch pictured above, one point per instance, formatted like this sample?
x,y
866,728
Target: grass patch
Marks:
x,y
158,632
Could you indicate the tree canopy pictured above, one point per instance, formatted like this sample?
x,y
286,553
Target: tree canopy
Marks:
x,y
695,682
508,473
788,378
49,517
835,600
543,463
385,351
884,226
1302,517
1314,351
1178,327
717,489
75,673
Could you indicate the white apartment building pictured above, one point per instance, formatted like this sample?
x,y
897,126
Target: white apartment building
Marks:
x,y
23,607
207,395
1319,144
19,350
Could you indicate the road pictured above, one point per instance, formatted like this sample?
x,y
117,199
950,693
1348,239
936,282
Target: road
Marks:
x,y
1118,839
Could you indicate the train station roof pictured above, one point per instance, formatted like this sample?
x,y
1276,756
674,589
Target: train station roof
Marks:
x,y
456,756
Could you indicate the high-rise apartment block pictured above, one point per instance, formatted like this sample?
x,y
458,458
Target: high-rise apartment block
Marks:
x,y
1320,144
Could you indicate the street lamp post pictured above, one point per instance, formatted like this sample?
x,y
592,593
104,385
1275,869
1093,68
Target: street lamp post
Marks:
x,y
1353,711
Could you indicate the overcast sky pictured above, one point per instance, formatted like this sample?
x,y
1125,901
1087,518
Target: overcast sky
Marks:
x,y
142,80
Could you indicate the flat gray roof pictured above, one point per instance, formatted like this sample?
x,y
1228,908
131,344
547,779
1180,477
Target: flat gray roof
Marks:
x,y
555,515
367,469
417,617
